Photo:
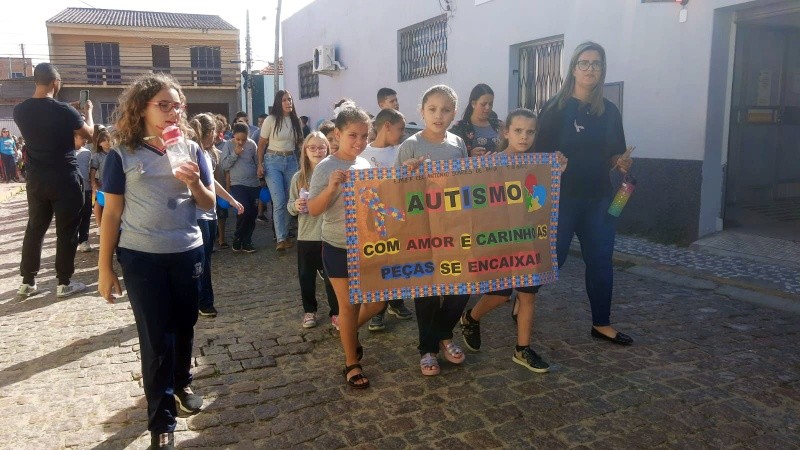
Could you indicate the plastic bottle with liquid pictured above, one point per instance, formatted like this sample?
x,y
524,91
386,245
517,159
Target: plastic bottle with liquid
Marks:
x,y
178,150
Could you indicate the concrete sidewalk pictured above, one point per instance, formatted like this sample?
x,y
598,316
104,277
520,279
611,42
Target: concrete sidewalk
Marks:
x,y
706,371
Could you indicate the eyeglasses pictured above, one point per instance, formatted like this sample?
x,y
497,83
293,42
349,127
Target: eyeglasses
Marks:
x,y
166,106
315,148
585,65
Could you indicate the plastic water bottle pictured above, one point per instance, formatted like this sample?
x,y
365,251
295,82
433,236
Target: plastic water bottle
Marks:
x,y
304,196
623,194
178,150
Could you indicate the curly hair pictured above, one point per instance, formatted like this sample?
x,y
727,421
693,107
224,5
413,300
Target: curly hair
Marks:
x,y
128,117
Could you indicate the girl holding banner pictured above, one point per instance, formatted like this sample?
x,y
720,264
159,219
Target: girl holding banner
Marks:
x,y
436,316
326,199
588,129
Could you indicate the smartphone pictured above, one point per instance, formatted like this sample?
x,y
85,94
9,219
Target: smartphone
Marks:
x,y
84,98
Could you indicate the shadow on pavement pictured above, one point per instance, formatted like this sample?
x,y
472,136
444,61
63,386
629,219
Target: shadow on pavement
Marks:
x,y
72,352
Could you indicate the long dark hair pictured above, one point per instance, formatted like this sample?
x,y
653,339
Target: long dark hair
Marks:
x,y
479,90
277,111
596,105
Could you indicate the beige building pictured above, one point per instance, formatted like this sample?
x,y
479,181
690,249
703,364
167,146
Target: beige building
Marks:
x,y
15,68
104,50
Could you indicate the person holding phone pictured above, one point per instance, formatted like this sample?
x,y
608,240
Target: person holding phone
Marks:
x,y
53,183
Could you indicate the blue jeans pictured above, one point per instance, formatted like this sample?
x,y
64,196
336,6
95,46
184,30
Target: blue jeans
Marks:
x,y
208,228
163,290
278,171
590,221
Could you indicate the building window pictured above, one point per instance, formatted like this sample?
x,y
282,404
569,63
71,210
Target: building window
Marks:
x,y
309,81
539,72
206,64
160,58
422,49
102,63
107,112
17,75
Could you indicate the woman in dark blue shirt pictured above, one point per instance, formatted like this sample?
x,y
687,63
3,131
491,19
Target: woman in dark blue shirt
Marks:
x,y
587,129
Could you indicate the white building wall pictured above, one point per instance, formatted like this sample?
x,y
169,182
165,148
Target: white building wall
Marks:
x,y
663,63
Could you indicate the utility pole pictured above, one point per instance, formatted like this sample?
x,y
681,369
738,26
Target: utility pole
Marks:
x,y
24,61
248,89
277,46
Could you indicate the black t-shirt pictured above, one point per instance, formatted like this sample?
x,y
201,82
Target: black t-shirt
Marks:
x,y
587,140
48,127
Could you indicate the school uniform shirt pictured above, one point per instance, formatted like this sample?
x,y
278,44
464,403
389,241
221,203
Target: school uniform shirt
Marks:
x,y
160,213
380,157
452,147
98,159
210,214
243,167
83,156
309,228
333,218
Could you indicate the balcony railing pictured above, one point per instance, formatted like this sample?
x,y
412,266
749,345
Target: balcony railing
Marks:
x,y
123,75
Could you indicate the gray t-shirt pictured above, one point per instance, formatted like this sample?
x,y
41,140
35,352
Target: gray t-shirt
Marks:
x,y
98,158
333,218
83,156
309,228
452,147
211,214
243,168
160,213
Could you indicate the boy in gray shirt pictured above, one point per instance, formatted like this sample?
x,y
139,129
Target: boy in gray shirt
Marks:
x,y
239,159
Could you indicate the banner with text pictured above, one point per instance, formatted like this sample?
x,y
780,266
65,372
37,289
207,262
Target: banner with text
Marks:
x,y
464,226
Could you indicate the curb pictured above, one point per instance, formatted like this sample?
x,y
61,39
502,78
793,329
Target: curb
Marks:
x,y
697,279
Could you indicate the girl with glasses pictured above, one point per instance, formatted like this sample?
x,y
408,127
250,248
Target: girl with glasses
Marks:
x,y
309,233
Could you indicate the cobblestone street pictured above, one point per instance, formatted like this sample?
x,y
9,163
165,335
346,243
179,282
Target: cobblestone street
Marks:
x,y
706,371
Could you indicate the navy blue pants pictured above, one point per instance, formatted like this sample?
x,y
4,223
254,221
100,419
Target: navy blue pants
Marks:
x,y
163,291
309,264
86,217
209,230
590,221
245,222
436,319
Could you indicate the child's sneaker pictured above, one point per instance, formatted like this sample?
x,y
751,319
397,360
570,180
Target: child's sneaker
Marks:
x,y
26,290
237,245
66,290
84,247
309,320
530,360
187,401
377,323
471,331
401,312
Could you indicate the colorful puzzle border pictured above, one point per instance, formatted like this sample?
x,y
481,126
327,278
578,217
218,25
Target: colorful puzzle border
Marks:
x,y
433,167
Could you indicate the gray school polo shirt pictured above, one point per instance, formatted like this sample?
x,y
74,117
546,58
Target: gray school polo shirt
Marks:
x,y
159,214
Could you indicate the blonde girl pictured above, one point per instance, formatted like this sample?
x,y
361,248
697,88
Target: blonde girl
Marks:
x,y
309,233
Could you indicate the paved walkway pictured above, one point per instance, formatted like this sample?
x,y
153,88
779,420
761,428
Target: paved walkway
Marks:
x,y
706,371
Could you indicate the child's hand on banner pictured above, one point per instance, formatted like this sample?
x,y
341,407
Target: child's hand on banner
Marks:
x,y
413,163
338,177
562,161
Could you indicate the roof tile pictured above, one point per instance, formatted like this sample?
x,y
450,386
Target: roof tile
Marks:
x,y
140,19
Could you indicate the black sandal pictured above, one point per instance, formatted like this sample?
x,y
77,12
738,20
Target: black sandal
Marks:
x,y
353,381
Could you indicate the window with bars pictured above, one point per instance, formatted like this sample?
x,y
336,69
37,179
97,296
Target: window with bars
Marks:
x,y
422,49
539,72
308,80
160,58
107,112
102,63
206,63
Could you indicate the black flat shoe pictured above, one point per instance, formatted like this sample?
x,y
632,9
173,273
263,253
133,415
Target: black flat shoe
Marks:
x,y
619,339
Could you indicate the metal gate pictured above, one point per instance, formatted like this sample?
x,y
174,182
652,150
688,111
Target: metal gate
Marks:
x,y
539,72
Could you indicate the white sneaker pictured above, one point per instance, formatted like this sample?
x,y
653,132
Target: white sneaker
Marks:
x,y
309,320
26,290
74,287
84,247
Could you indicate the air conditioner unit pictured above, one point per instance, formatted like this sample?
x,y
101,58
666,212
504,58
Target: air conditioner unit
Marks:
x,y
325,59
